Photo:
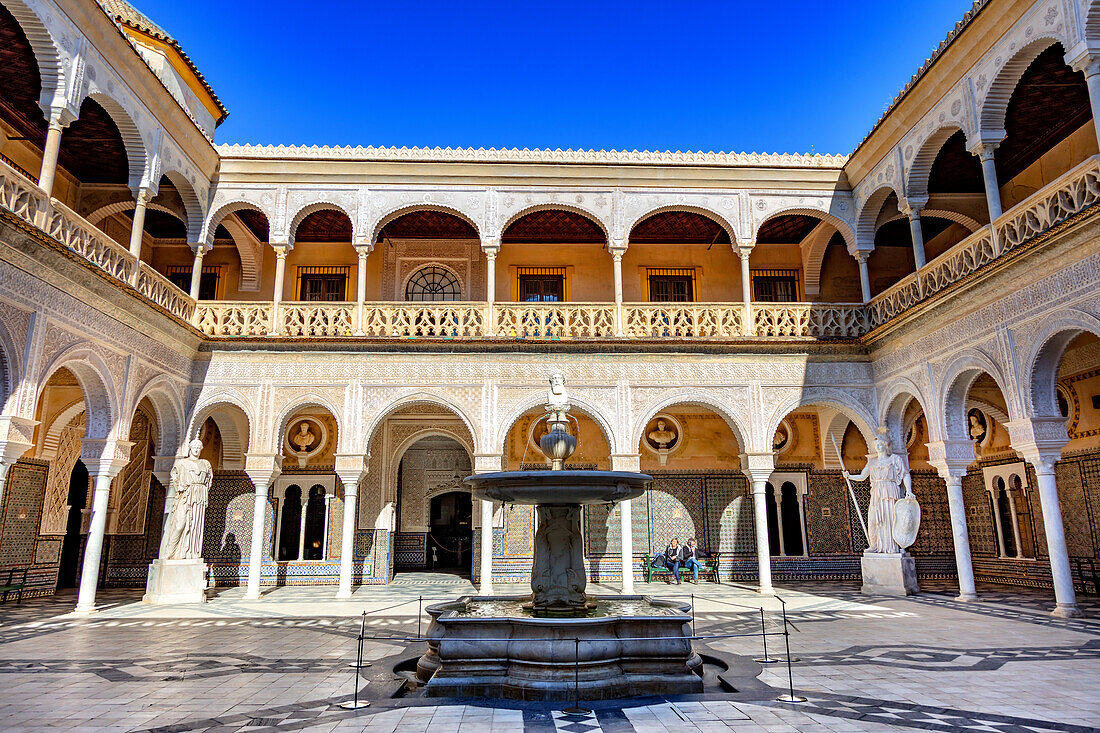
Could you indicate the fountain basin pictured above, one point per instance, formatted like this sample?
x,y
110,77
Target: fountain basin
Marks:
x,y
629,645
558,487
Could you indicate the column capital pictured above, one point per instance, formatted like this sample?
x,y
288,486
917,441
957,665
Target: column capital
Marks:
x,y
488,462
1084,58
59,117
951,457
985,146
631,462
758,466
162,468
200,248
105,458
363,249
16,437
619,245
912,206
1039,440
490,245
744,249
351,468
862,255
263,469
282,249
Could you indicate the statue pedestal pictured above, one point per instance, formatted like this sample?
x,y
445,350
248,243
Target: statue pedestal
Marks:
x,y
889,574
176,581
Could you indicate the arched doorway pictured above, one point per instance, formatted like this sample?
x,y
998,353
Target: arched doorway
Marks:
x,y
435,512
69,572
451,532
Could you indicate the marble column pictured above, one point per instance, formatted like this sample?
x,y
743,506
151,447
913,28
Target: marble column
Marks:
x,y
918,237
281,251
328,518
350,468
778,496
486,548
744,251
262,470
626,521
196,271
361,252
994,495
1064,593
986,154
951,458
1015,522
617,250
59,120
137,227
104,460
864,275
759,469
491,247
1089,65
302,527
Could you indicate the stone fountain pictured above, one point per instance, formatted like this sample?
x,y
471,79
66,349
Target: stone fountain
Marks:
x,y
526,647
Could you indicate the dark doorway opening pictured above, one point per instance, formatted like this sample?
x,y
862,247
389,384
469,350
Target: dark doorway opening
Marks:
x,y
69,573
451,532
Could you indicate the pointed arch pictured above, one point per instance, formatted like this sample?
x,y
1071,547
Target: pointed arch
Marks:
x,y
93,376
224,210
838,399
168,411
959,377
892,405
234,417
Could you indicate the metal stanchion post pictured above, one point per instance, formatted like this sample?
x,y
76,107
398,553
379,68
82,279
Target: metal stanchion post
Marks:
x,y
419,613
355,704
764,638
577,710
790,696
693,614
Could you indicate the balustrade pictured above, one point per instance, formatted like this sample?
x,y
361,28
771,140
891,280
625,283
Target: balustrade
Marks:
x,y
1070,194
555,320
684,320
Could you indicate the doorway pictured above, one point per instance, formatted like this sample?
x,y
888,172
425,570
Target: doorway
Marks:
x,y
451,532
69,572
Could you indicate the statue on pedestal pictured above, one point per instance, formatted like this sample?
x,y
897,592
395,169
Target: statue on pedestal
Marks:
x,y
888,476
191,478
557,400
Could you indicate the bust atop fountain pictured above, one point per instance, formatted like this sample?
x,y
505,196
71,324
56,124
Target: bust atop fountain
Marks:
x,y
557,444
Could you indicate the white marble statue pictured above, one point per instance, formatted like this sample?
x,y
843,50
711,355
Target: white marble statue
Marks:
x,y
662,436
557,399
888,474
191,477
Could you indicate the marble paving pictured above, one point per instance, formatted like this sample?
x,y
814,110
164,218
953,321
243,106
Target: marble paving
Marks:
x,y
281,664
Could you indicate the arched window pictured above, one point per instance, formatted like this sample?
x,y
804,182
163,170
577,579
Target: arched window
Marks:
x,y
433,283
786,515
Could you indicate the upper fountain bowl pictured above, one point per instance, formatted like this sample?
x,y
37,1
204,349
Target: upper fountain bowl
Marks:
x,y
558,487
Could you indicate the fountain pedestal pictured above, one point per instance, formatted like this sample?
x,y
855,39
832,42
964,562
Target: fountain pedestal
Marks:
x,y
558,579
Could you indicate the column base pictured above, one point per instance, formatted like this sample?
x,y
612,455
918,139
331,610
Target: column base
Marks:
x,y
176,581
343,595
967,598
893,574
1067,610
78,611
769,591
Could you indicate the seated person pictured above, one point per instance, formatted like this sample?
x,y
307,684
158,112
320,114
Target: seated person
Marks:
x,y
689,558
672,559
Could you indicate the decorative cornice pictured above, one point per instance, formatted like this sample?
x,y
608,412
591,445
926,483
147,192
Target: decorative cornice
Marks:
x,y
527,155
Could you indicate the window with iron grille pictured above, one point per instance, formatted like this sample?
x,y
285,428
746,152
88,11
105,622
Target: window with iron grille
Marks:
x,y
671,285
775,286
209,280
323,282
541,284
433,283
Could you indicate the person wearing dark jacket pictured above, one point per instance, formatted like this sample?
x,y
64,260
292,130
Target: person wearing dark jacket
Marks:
x,y
672,559
689,558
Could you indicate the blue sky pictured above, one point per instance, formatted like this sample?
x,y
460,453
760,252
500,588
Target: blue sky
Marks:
x,y
794,76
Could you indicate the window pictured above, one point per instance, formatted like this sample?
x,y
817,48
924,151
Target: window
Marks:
x,y
320,283
671,285
541,284
209,280
775,286
785,501
433,283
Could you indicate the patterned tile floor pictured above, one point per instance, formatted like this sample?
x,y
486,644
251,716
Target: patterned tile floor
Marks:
x,y
281,664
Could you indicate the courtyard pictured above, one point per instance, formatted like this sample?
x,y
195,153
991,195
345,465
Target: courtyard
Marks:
x,y
281,663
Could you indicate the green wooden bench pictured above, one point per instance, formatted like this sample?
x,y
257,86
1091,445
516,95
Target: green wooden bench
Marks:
x,y
708,565
1087,573
13,585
